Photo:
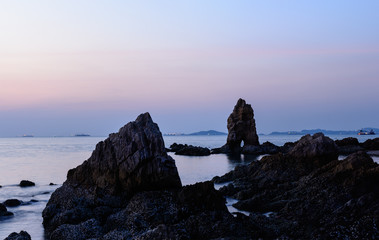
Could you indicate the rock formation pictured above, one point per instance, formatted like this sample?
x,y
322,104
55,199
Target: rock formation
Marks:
x,y
241,128
189,150
130,189
19,236
309,192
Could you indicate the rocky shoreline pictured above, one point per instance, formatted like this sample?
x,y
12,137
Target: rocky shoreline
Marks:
x,y
130,189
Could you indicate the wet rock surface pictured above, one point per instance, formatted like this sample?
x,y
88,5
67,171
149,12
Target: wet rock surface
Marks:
x,y
23,235
4,211
310,193
26,183
130,189
12,203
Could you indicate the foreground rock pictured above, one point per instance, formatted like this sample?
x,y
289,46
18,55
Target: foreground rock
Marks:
x,y
189,150
130,189
23,235
241,127
310,193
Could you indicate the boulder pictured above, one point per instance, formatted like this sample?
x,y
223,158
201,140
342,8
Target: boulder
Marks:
x,y
26,183
348,145
316,146
189,150
4,211
371,144
12,203
193,151
241,127
23,235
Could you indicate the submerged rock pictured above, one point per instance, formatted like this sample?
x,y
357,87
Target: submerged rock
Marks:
x,y
130,189
4,211
189,150
12,203
23,235
26,183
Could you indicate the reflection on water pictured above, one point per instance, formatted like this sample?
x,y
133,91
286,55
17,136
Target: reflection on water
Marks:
x,y
198,169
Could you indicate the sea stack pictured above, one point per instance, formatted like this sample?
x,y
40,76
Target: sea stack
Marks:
x,y
241,127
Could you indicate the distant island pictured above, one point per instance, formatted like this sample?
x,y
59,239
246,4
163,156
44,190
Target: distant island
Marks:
x,y
82,135
201,133
326,132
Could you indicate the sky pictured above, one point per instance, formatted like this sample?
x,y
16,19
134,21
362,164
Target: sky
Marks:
x,y
90,66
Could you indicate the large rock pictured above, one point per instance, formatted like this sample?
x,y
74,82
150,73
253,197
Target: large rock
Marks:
x,y
316,146
130,189
132,160
241,127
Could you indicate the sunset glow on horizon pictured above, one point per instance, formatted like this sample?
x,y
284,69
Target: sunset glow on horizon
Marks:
x,y
66,64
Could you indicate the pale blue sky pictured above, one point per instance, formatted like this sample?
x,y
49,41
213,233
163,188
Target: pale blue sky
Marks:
x,y
70,66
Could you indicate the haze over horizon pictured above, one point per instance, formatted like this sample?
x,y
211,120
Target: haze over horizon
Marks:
x,y
69,67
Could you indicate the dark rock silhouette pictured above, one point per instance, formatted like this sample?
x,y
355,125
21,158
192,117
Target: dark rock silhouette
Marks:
x,y
26,183
241,128
4,211
12,203
371,144
23,235
189,150
130,189
348,145
311,194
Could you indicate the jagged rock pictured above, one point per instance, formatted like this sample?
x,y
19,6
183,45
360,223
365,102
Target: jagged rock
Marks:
x,y
312,194
132,160
4,211
371,144
12,203
348,145
26,183
316,146
241,127
130,189
23,235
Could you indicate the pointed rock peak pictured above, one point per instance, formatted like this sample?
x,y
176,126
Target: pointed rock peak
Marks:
x,y
144,117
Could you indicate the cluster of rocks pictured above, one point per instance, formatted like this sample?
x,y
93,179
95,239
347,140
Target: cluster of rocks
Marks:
x,y
130,189
351,145
189,150
309,193
13,202
18,236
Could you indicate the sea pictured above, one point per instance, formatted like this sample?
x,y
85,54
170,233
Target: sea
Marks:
x,y
46,160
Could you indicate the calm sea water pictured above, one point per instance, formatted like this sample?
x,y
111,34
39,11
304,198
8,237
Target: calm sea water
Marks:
x,y
47,160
